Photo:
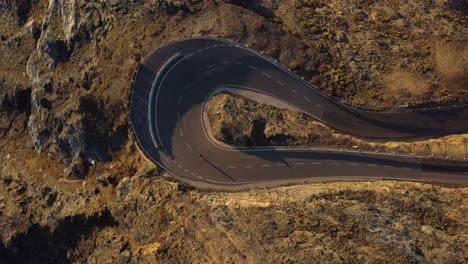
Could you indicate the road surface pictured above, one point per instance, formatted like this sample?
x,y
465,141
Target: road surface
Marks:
x,y
173,83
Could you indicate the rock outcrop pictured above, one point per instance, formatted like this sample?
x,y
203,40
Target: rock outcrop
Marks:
x,y
72,134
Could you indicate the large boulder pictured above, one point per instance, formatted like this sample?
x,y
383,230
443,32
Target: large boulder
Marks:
x,y
80,140
40,120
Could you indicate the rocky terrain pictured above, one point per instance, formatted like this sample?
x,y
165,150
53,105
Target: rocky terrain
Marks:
x,y
74,187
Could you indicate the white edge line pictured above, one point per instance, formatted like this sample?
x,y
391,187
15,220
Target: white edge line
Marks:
x,y
188,145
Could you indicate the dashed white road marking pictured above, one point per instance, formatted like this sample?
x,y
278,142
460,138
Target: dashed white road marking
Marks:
x,y
236,62
266,74
319,106
248,167
212,65
335,163
317,163
280,164
353,164
196,76
180,166
232,167
307,99
294,91
200,50
181,131
188,146
207,48
371,165
266,165
253,68
298,163
282,84
186,170
180,99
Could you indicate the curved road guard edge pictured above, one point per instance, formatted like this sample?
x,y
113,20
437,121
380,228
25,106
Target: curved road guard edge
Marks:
x,y
172,85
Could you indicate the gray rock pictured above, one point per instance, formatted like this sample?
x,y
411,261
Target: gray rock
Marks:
x,y
71,142
41,118
72,134
83,138
124,187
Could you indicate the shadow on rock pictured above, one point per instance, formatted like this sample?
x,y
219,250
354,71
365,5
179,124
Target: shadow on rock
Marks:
x,y
43,245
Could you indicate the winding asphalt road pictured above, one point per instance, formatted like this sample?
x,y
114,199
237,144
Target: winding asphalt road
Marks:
x,y
173,83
